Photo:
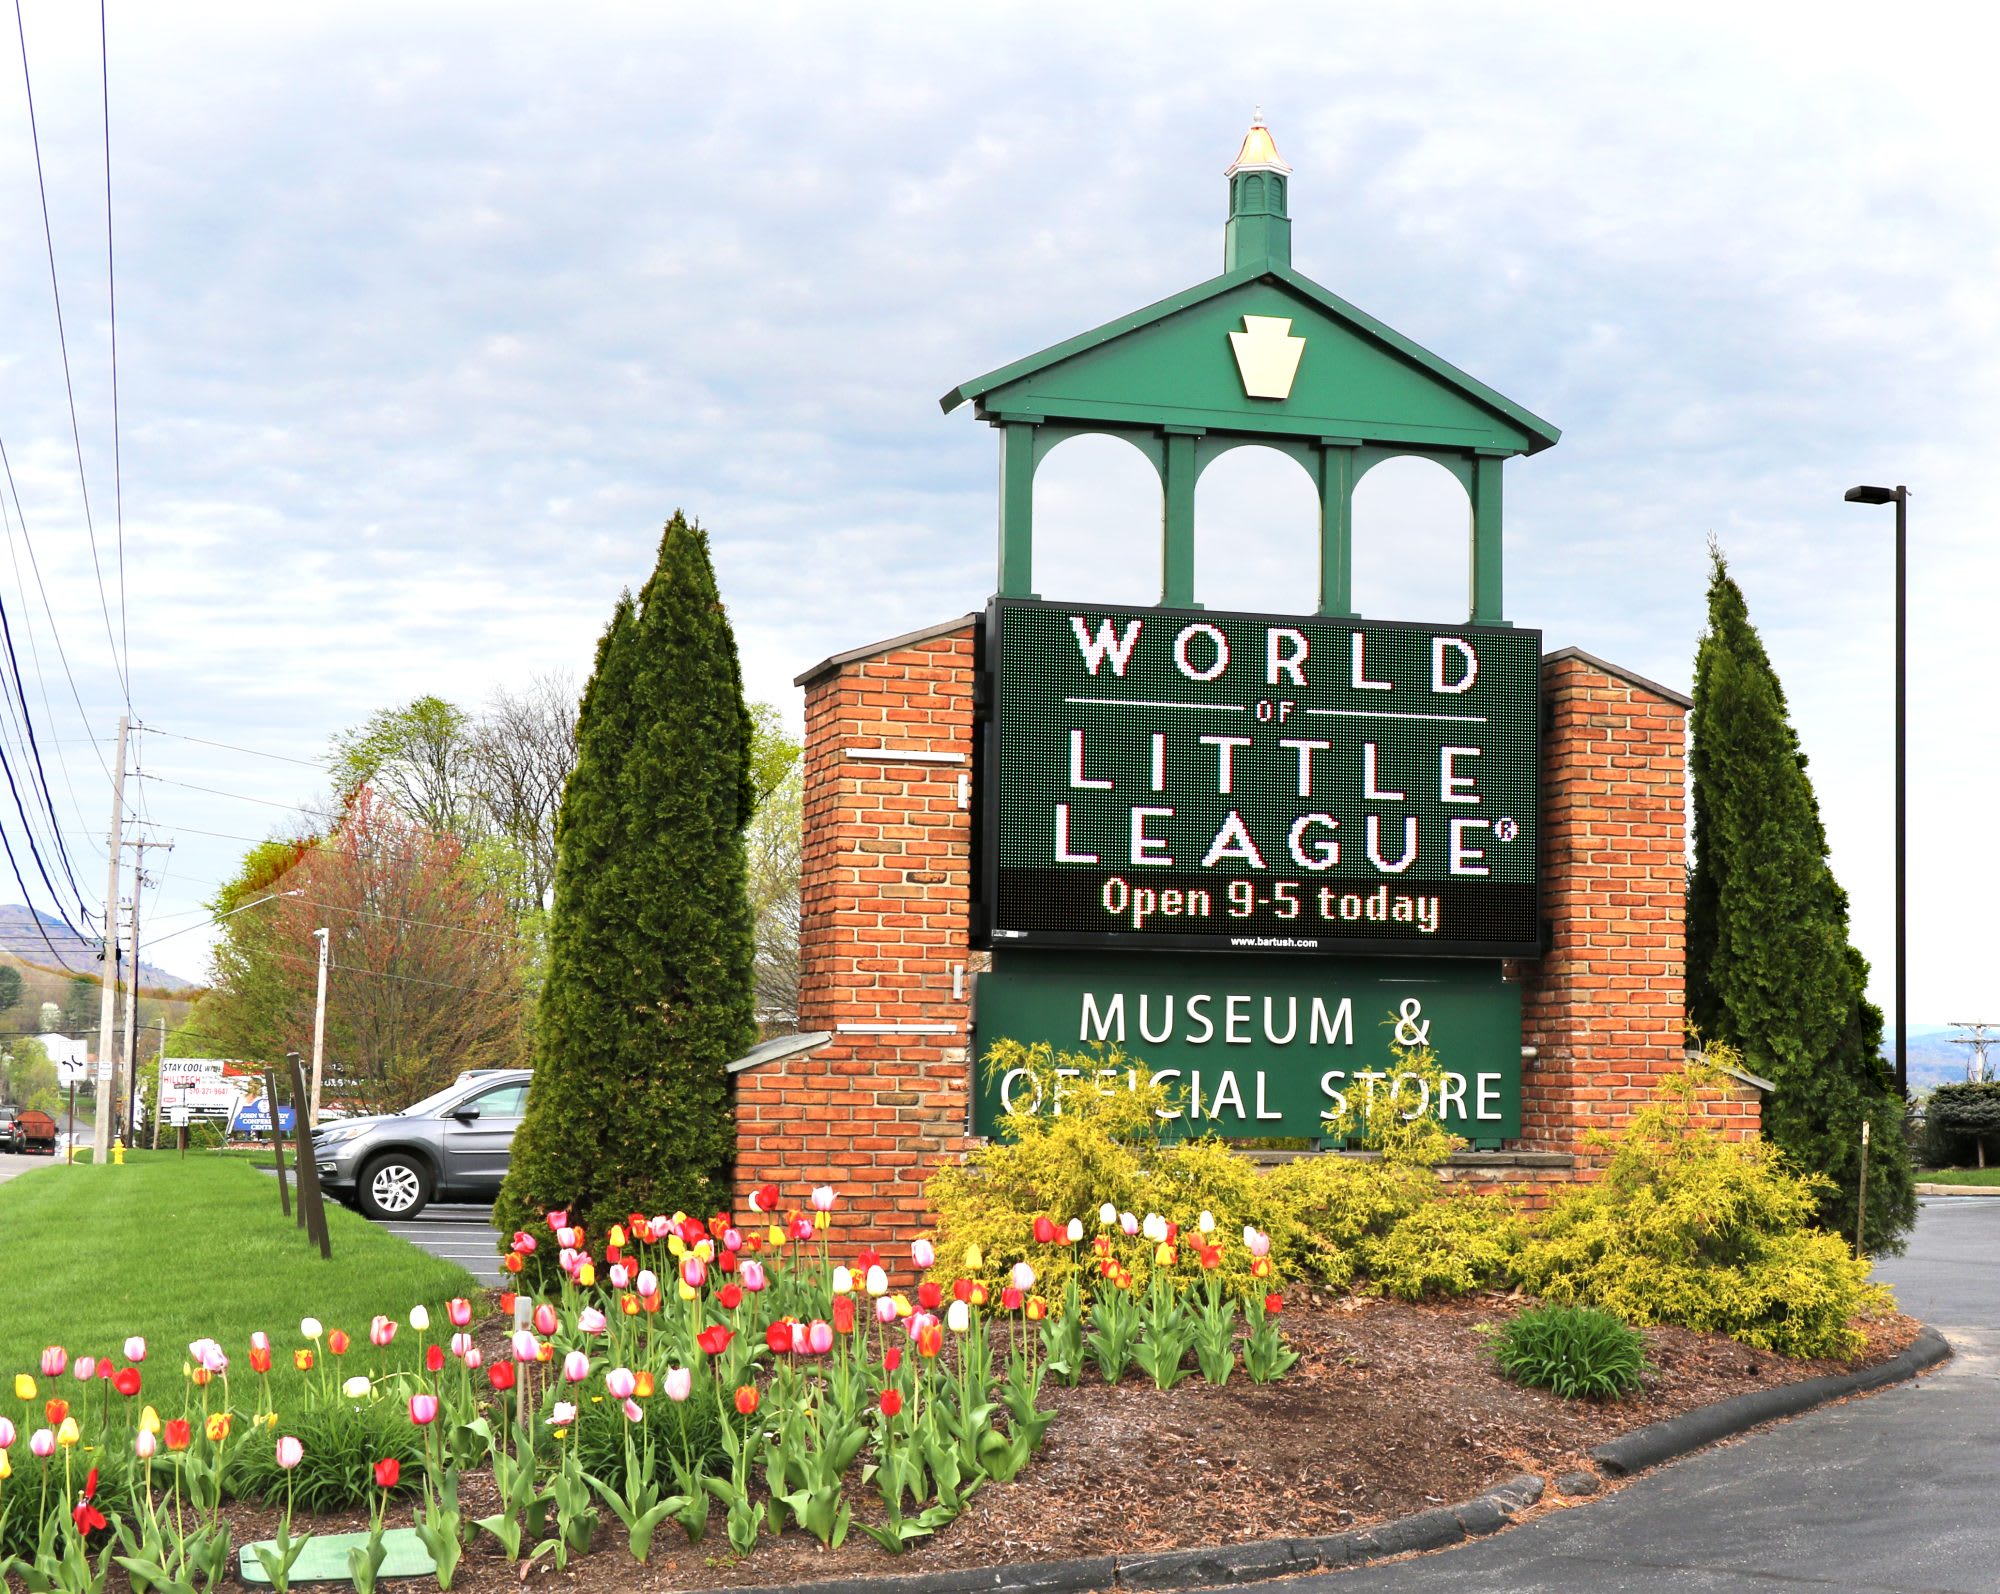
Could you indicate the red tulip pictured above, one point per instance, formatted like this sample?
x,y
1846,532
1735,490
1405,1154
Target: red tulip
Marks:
x,y
501,1375
388,1472
87,1517
892,1358
714,1339
55,1411
930,1295
961,1289
892,1402
1046,1232
843,1314
178,1434
434,1358
729,1297
260,1359
126,1381
1274,1303
746,1399
779,1335
337,1342
930,1339
1010,1298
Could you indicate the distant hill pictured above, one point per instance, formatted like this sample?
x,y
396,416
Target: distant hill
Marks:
x,y
1933,1058
20,937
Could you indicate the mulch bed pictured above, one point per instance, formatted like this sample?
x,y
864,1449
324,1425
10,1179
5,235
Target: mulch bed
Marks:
x,y
1392,1409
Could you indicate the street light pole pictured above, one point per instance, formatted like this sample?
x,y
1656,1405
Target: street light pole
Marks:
x,y
319,1031
1900,497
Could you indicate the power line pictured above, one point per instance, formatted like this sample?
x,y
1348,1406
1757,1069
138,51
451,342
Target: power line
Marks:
x,y
242,797
62,339
257,752
42,776
111,283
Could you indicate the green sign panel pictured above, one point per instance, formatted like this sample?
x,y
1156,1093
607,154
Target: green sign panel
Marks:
x,y
1259,1046
1258,783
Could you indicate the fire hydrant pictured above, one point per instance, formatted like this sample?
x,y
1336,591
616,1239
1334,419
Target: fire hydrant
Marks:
x,y
118,1152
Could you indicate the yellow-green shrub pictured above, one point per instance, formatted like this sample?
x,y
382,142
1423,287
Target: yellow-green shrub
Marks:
x,y
1449,1246
1690,1228
1323,1211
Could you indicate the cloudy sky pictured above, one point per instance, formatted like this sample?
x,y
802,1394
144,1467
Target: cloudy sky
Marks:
x,y
429,315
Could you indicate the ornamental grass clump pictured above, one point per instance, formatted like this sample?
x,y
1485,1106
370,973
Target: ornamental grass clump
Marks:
x,y
1577,1351
1714,1234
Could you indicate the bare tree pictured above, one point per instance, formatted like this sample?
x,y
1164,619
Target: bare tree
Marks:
x,y
773,842
523,749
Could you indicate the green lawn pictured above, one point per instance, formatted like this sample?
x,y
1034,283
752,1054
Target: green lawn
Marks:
x,y
176,1249
1961,1176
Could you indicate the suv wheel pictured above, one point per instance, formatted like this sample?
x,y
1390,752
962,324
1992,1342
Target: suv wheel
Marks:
x,y
395,1186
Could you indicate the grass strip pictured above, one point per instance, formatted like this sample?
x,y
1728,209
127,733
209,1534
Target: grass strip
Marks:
x,y
174,1249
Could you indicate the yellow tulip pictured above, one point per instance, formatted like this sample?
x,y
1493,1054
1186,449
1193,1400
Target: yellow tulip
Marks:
x,y
705,1249
975,1259
617,1235
587,1275
777,1234
68,1433
902,1304
149,1421
687,1290
6,1467
24,1387
217,1427
677,1245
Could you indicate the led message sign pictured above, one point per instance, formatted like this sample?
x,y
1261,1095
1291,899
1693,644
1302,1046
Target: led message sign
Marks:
x,y
1256,1046
1258,783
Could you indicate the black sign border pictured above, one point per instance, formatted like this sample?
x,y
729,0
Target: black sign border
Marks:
x,y
986,802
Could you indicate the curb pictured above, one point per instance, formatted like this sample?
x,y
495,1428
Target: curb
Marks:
x,y
1926,1188
1663,1441
1435,1529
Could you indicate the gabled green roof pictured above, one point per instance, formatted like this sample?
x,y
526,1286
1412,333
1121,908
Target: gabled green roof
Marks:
x,y
1171,364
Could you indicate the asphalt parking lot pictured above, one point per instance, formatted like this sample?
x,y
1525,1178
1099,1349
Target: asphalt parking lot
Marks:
x,y
458,1233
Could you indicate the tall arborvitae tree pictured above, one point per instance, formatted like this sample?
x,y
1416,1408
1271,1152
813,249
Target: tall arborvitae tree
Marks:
x,y
1769,965
650,990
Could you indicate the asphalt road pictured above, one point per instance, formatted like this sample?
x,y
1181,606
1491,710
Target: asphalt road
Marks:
x,y
461,1234
1893,1492
13,1164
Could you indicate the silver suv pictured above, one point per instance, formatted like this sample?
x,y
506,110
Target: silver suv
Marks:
x,y
451,1146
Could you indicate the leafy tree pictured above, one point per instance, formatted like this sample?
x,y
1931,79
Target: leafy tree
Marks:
x,y
419,759
1770,969
522,751
650,978
82,1002
11,987
425,972
31,1077
1966,1110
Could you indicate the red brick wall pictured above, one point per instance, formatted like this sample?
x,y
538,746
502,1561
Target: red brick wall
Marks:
x,y
885,883
1603,1007
885,963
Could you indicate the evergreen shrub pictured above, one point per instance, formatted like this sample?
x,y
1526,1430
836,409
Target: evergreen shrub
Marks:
x,y
1961,1117
1714,1234
1450,1245
1576,1351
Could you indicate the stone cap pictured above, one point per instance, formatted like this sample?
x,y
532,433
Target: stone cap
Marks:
x,y
832,662
1619,672
779,1047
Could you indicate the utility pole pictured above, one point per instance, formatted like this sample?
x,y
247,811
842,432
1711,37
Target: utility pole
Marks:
x,y
319,1030
108,1008
1976,1067
132,998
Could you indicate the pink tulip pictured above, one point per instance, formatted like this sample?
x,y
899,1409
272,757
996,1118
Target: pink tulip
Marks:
x,y
753,1276
621,1276
821,1199
85,1368
562,1414
576,1367
919,1321
800,1228
6,1433
545,1319
381,1330
566,1238
473,1358
260,1340
208,1356
1259,1244
633,1412
290,1452
459,1310
800,1341
590,1320
648,1282
54,1360
460,1344
135,1349
732,1239
146,1446
524,1243
558,1220
423,1409
820,1339
923,1253
619,1383
526,1347
679,1383
1128,1223
694,1272
885,1309
42,1442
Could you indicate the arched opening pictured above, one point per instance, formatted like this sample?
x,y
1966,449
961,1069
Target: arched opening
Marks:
x,y
1412,541
1256,533
1097,522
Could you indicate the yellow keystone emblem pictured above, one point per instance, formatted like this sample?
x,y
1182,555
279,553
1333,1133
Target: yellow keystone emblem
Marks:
x,y
1267,355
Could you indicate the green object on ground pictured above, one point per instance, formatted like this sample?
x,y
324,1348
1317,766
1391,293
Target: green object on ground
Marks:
x,y
1969,1176
324,1559
175,1249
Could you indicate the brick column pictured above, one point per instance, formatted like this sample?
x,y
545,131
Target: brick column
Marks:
x,y
885,883
1604,1006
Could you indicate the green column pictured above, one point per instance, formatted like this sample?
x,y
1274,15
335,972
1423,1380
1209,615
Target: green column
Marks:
x,y
1177,521
1486,589
1336,525
1017,510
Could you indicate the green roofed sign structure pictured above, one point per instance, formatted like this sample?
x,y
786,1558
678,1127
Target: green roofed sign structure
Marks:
x,y
1257,783
1258,355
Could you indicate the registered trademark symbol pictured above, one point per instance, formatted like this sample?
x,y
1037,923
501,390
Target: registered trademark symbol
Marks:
x,y
1506,829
